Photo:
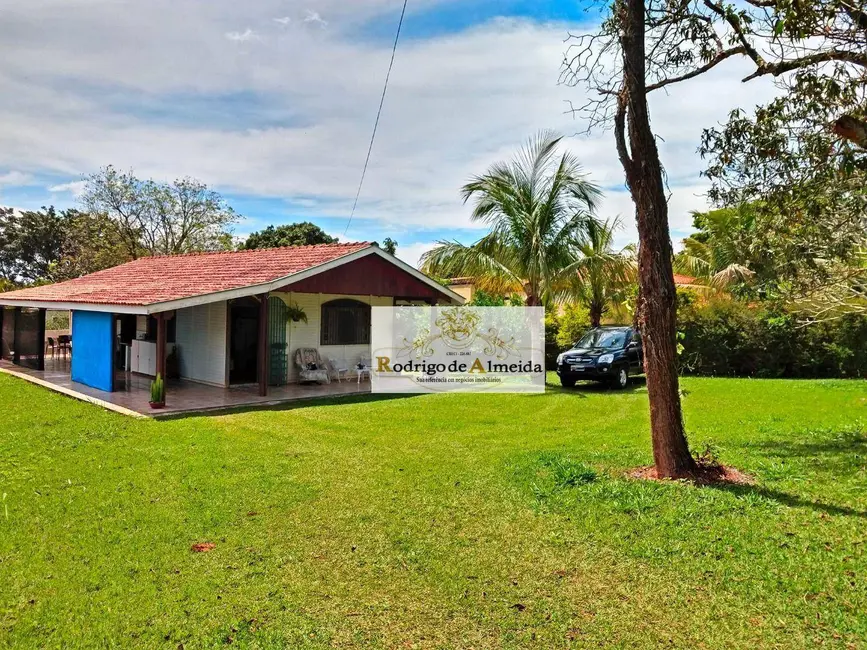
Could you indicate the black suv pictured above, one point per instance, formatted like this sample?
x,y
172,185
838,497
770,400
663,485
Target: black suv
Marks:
x,y
609,354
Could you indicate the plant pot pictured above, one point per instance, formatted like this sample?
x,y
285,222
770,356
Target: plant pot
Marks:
x,y
157,405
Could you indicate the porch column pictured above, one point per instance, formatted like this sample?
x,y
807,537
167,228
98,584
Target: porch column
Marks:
x,y
161,345
16,337
40,336
263,366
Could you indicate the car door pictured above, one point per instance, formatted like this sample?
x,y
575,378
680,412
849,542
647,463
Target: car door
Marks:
x,y
634,352
638,351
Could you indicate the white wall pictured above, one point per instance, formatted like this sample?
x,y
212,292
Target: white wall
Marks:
x,y
201,341
306,335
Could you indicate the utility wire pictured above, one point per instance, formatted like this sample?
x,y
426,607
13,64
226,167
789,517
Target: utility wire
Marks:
x,y
378,114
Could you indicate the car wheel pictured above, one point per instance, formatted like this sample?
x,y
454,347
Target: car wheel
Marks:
x,y
567,382
622,380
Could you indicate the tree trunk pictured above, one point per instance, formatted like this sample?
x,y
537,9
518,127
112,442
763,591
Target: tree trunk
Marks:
x,y
657,311
595,316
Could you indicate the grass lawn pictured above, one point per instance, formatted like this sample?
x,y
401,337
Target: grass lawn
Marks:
x,y
436,522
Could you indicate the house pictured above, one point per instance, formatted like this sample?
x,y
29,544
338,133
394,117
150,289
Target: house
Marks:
x,y
213,319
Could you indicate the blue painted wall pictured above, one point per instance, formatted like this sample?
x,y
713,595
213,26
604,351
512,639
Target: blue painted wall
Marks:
x,y
93,349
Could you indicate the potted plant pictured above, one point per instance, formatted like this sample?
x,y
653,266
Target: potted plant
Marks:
x,y
294,314
158,393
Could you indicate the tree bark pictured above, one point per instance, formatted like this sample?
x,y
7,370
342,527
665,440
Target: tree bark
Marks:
x,y
595,316
657,311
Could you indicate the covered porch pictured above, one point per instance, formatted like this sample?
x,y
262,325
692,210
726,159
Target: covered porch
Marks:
x,y
132,392
222,329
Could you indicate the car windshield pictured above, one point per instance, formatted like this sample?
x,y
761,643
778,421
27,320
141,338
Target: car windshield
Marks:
x,y
607,339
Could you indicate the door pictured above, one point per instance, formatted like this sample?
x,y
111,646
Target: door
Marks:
x,y
243,341
636,353
278,354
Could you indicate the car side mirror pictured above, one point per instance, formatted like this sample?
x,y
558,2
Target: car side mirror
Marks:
x,y
632,345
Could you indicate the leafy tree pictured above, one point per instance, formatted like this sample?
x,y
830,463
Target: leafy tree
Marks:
x,y
160,218
603,276
293,234
484,299
7,285
31,243
802,156
800,160
92,243
536,207
51,246
389,246
574,322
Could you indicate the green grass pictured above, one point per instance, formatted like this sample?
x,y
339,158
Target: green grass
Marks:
x,y
436,521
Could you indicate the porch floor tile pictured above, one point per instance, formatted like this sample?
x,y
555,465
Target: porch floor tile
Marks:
x,y
132,392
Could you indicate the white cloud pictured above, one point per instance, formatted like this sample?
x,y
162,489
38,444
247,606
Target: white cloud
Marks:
x,y
285,20
14,178
242,37
314,17
411,254
456,103
76,188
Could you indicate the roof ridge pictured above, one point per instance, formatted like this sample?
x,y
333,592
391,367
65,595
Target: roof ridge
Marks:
x,y
256,250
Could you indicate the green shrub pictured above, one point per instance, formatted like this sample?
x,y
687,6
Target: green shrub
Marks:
x,y
733,338
574,323
552,331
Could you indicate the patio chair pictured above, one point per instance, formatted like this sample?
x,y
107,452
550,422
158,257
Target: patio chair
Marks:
x,y
310,365
50,344
64,342
339,368
363,368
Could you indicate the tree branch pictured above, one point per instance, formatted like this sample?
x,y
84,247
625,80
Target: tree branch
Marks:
x,y
776,69
719,58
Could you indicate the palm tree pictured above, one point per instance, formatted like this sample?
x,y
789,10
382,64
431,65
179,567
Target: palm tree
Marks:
x,y
723,250
537,207
602,275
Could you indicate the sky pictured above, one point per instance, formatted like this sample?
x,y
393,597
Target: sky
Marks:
x,y
272,103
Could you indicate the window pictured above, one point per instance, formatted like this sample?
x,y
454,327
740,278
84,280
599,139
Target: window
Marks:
x,y
345,322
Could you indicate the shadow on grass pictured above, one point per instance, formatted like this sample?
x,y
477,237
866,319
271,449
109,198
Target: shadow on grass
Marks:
x,y
844,442
584,388
367,398
833,452
786,499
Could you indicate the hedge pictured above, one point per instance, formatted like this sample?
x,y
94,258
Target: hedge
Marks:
x,y
731,338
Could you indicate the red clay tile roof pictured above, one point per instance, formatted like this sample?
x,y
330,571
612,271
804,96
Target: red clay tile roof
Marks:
x,y
151,280
683,279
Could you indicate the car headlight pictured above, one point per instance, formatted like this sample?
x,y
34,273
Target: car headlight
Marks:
x,y
605,359
559,359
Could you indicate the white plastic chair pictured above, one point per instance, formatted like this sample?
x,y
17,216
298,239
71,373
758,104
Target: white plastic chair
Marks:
x,y
363,368
339,368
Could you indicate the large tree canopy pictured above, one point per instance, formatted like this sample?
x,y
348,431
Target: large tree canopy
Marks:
x,y
31,243
52,245
801,159
293,234
154,218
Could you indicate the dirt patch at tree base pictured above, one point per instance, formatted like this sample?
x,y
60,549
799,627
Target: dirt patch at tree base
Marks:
x,y
703,475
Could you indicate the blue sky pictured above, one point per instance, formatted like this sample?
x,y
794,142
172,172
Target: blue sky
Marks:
x,y
272,103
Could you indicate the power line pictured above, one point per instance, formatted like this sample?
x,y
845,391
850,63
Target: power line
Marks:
x,y
378,114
